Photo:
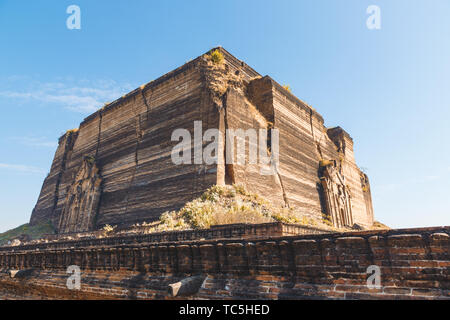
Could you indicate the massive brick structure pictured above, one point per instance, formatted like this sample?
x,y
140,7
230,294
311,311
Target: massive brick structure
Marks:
x,y
116,168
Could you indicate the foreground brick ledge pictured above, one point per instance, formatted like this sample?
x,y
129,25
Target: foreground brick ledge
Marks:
x,y
279,267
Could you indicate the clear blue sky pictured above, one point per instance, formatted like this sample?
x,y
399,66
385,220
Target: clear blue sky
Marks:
x,y
389,88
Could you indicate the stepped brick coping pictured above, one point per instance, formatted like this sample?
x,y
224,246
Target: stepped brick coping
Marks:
x,y
231,231
414,264
249,233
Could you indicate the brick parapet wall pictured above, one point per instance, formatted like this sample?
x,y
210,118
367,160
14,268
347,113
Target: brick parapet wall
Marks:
x,y
414,263
236,231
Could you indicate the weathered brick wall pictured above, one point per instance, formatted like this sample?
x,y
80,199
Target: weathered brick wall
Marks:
x,y
304,142
241,114
414,263
129,140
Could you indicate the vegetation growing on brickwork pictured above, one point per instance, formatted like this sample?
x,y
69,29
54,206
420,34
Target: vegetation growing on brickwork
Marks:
x,y
221,205
326,219
325,163
71,131
108,229
90,159
26,232
216,57
380,226
287,87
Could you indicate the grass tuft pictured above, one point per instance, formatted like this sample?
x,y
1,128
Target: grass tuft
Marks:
x,y
287,87
216,57
380,226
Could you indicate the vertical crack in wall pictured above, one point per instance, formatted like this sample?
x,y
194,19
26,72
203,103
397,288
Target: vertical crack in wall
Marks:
x,y
100,114
206,114
283,190
311,123
228,169
95,217
285,198
139,135
146,103
319,149
320,189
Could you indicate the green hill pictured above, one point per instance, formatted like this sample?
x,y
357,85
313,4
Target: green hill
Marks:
x,y
27,232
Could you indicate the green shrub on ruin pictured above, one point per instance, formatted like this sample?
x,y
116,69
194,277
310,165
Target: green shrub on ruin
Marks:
x,y
240,189
107,229
287,87
328,222
171,221
198,213
90,159
380,226
216,57
213,194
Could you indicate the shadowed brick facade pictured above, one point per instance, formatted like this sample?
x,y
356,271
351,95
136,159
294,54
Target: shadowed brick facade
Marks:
x,y
116,168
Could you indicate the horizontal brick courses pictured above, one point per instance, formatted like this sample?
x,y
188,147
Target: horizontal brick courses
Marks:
x,y
328,266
